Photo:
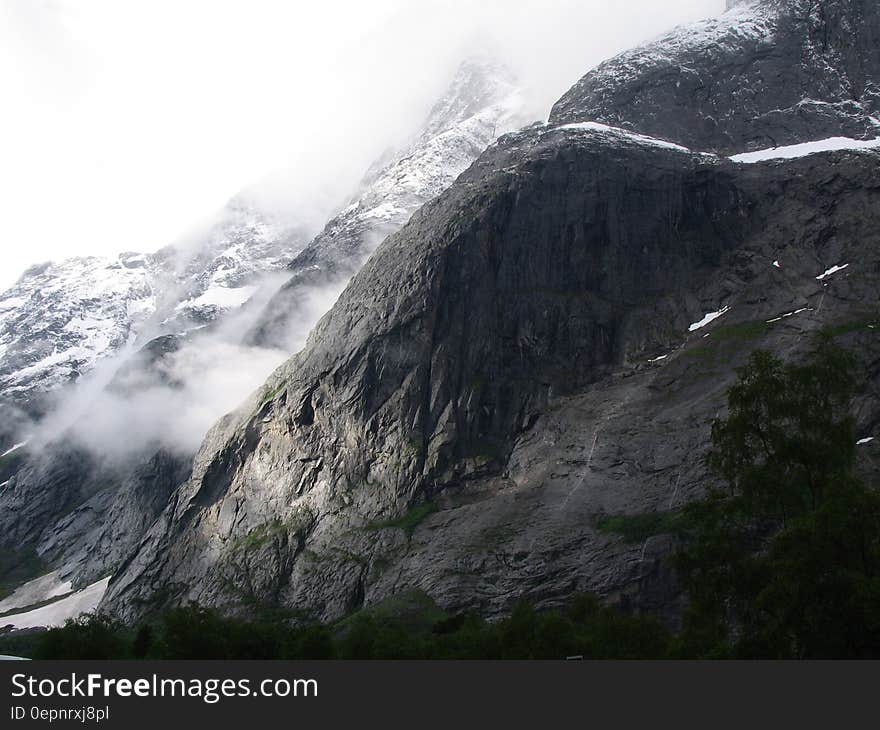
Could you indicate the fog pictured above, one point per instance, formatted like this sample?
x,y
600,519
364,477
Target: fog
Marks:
x,y
138,121
209,380
130,405
129,122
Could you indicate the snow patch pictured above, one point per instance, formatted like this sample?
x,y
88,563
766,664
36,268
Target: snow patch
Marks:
x,y
804,149
709,318
658,359
12,303
604,129
862,442
221,296
55,614
14,448
777,264
831,272
36,591
789,314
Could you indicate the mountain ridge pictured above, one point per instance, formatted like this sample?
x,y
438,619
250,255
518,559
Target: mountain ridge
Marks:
x,y
527,355
83,508
61,320
764,74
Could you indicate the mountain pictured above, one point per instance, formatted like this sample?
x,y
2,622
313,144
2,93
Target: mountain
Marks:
x,y
80,505
482,102
61,319
766,73
538,353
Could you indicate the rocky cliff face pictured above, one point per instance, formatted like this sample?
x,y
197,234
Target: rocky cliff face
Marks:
x,y
89,513
546,343
767,73
79,509
83,509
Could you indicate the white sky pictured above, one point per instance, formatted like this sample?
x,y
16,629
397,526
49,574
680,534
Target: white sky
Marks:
x,y
123,123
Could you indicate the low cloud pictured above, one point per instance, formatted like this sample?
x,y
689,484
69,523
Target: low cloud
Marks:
x,y
161,397
205,382
320,124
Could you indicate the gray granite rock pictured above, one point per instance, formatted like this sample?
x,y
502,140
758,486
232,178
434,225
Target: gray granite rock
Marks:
x,y
488,386
766,73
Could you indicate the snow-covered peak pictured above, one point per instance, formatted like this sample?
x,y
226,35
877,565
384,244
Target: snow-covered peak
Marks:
x,y
61,318
764,73
480,87
221,267
748,21
482,102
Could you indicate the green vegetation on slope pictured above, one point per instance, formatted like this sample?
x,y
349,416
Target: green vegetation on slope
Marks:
x,y
409,521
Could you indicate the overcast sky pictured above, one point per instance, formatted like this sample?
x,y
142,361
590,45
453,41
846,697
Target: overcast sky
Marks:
x,y
126,122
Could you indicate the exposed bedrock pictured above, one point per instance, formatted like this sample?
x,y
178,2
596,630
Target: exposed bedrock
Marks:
x,y
489,385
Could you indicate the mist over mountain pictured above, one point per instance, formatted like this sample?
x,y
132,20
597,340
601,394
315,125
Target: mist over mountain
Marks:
x,y
130,361
61,319
483,102
511,335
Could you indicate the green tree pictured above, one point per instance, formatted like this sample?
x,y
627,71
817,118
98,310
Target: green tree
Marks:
x,y
92,636
143,641
784,559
